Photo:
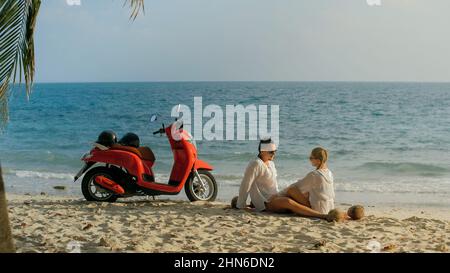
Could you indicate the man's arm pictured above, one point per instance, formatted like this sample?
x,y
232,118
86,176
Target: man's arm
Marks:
x,y
251,172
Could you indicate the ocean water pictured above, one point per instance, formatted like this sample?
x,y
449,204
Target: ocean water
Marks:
x,y
389,142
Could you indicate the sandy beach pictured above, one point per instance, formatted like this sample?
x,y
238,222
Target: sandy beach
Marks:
x,y
61,224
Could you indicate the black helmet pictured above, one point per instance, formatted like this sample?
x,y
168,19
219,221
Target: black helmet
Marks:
x,y
130,139
107,138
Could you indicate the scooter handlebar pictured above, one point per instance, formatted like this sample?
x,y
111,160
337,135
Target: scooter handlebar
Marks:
x,y
160,131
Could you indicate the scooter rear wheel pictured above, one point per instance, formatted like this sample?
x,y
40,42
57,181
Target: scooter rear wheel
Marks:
x,y
93,192
195,192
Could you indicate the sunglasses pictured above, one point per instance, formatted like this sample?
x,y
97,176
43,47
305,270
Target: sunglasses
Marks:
x,y
311,158
272,152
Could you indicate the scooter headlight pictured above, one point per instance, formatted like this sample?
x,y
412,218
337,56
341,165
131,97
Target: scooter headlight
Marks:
x,y
191,139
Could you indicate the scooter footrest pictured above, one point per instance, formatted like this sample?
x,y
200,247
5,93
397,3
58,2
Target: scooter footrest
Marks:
x,y
148,178
174,183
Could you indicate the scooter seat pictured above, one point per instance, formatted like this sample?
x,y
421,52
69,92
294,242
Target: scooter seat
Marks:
x,y
147,153
144,153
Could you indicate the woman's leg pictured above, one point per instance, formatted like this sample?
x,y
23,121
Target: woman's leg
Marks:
x,y
281,204
295,194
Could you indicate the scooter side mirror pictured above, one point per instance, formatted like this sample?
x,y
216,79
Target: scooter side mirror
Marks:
x,y
178,110
153,118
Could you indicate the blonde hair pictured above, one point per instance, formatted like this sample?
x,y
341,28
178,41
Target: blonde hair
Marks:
x,y
320,154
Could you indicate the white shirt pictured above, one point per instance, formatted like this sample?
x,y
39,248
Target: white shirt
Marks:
x,y
319,184
260,182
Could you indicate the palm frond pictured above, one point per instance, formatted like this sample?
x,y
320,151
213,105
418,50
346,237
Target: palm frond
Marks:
x,y
17,23
136,7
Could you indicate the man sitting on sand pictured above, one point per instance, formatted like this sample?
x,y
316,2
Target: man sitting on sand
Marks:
x,y
260,178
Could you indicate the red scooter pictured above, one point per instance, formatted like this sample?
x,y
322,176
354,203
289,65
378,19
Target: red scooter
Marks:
x,y
124,171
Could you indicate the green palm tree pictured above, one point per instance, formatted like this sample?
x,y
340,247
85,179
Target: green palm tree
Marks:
x,y
17,25
17,62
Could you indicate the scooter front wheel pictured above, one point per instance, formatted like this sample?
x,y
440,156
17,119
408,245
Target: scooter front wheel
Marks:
x,y
198,191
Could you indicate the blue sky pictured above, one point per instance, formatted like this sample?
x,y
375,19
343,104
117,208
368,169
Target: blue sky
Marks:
x,y
256,40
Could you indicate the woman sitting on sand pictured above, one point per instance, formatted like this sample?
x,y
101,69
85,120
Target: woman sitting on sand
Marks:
x,y
260,178
313,196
